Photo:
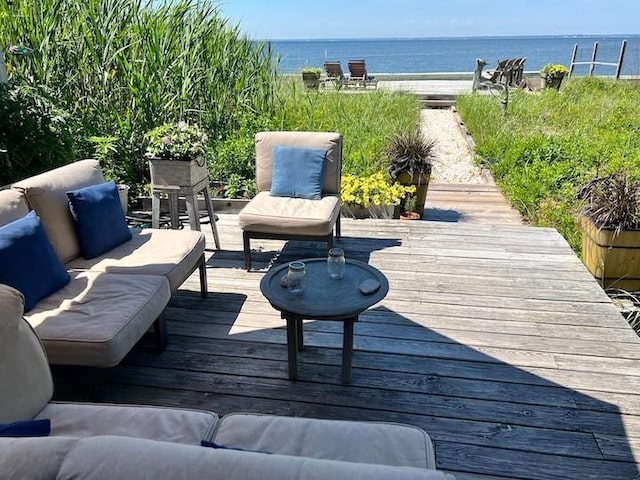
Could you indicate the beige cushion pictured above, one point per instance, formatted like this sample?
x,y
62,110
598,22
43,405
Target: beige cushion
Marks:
x,y
98,317
13,205
25,380
107,458
366,442
171,253
155,423
285,215
332,142
37,458
47,195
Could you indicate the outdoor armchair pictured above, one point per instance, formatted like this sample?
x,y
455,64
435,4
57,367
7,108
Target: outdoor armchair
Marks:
x,y
274,215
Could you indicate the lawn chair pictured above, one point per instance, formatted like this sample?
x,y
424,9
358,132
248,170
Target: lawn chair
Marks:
x,y
358,76
335,73
492,79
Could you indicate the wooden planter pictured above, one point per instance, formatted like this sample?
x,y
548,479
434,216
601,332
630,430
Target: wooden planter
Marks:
x,y
372,211
548,81
177,173
311,80
614,259
421,183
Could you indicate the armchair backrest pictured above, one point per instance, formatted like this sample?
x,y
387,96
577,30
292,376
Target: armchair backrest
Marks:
x,y
25,379
329,141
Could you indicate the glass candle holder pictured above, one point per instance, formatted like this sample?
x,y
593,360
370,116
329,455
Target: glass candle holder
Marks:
x,y
335,263
296,278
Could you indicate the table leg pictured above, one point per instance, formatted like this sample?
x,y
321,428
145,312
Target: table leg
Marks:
x,y
300,334
347,349
292,348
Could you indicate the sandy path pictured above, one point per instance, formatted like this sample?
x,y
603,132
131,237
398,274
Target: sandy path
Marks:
x,y
454,158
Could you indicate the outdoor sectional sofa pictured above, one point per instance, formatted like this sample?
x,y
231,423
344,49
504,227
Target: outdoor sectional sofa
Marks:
x,y
100,442
112,299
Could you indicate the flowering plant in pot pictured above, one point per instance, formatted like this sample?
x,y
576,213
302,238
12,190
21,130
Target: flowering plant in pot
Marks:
x,y
552,75
610,222
311,77
371,196
176,153
411,156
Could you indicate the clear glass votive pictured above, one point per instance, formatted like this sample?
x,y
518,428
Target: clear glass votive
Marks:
x,y
335,263
296,278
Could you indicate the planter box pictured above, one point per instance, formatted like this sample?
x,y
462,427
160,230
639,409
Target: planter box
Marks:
x,y
177,173
614,259
373,211
421,183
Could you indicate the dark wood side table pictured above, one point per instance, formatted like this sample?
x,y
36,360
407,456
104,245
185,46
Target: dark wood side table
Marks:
x,y
323,299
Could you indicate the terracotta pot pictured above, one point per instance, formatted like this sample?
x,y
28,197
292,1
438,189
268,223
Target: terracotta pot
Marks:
x,y
410,216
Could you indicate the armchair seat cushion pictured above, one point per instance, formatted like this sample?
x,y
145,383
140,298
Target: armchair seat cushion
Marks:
x,y
169,253
290,216
97,318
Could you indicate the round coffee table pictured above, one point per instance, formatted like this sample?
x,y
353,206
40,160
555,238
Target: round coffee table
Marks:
x,y
323,299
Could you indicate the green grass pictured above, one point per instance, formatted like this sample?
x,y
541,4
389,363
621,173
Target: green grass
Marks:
x,y
550,144
366,120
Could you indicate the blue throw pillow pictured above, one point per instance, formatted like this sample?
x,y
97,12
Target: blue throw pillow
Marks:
x,y
99,218
26,428
298,172
205,443
28,262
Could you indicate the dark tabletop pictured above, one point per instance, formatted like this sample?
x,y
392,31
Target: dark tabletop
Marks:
x,y
324,297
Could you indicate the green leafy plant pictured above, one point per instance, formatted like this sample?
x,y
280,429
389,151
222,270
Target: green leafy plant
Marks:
x,y
176,141
554,70
372,190
411,153
612,201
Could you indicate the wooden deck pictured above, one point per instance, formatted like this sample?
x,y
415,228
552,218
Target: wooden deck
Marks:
x,y
493,338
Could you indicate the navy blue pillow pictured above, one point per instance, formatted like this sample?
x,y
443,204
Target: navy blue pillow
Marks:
x,y
205,443
26,428
99,218
298,172
28,262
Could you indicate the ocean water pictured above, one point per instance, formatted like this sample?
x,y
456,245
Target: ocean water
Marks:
x,y
421,55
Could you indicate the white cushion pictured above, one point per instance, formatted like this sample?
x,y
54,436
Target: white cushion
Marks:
x,y
366,442
155,423
37,458
25,380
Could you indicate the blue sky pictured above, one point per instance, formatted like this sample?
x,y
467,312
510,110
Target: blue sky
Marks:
x,y
302,19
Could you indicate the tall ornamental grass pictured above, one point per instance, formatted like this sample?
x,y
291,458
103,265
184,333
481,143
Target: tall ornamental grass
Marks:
x,y
122,67
367,120
550,144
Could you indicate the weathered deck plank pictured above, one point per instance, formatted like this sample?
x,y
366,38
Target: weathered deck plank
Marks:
x,y
493,338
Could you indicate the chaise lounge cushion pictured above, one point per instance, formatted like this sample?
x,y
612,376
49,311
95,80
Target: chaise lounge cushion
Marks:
x,y
25,378
82,323
47,195
170,253
33,458
366,442
98,218
294,216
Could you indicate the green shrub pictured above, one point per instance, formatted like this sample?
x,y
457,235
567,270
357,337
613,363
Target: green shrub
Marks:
x,y
550,144
35,135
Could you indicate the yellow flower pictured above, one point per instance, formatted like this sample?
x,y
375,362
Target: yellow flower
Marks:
x,y
374,189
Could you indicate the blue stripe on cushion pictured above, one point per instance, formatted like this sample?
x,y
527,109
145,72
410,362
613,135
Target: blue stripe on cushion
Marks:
x,y
26,428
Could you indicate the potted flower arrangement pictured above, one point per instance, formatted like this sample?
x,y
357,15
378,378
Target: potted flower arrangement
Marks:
x,y
311,77
176,153
372,196
610,222
552,75
411,156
